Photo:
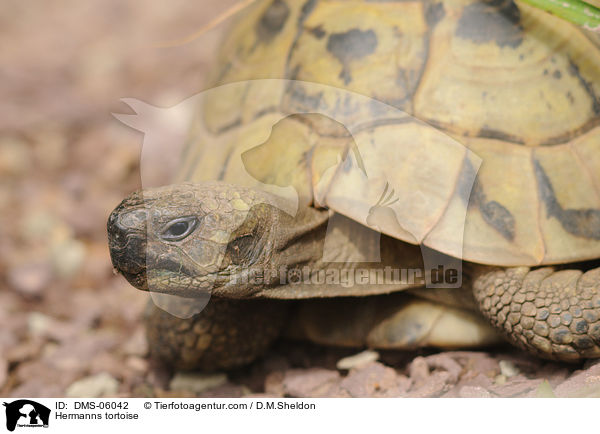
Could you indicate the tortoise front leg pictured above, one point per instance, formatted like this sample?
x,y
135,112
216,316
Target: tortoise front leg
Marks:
x,y
224,335
554,314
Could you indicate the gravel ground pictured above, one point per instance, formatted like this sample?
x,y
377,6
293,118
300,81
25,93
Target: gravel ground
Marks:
x,y
68,325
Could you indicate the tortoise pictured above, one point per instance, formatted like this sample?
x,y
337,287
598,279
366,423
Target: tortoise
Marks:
x,y
414,133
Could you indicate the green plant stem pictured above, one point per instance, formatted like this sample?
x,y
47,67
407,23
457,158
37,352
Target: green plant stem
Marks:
x,y
575,11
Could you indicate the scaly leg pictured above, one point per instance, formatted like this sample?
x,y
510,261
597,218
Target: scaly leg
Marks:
x,y
226,334
554,314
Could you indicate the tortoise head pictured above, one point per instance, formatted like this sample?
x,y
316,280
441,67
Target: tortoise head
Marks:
x,y
188,239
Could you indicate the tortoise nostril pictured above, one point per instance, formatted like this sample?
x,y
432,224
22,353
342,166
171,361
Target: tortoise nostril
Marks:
x,y
133,220
130,215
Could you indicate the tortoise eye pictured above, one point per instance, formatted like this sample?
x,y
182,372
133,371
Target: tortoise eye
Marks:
x,y
178,229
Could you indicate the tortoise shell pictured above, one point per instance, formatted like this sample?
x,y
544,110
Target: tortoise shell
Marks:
x,y
482,117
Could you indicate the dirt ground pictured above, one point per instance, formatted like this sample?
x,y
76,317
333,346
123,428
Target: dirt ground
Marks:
x,y
68,325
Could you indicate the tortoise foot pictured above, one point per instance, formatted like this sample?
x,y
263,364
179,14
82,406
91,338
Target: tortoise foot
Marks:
x,y
554,314
224,335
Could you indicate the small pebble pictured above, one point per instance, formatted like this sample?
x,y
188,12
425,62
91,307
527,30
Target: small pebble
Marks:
x,y
68,257
357,360
500,380
544,390
41,226
30,279
311,382
508,369
195,382
38,323
137,364
371,380
94,386
419,369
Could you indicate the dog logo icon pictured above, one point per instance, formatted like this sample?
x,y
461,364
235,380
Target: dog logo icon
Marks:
x,y
26,413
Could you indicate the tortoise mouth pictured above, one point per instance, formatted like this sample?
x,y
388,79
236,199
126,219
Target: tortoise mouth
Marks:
x,y
132,267
139,280
157,265
130,261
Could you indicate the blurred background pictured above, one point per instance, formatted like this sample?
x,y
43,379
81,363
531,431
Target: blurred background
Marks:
x,y
65,163
68,325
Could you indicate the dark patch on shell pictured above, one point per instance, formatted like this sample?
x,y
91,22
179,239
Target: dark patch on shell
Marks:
x,y
272,21
497,21
583,223
494,213
497,216
574,70
464,186
223,170
307,8
318,32
434,14
299,100
352,45
489,133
